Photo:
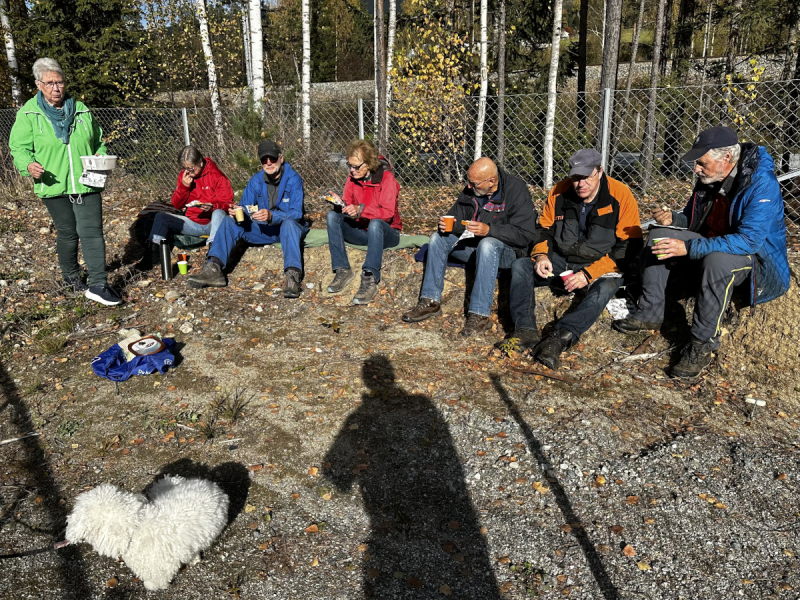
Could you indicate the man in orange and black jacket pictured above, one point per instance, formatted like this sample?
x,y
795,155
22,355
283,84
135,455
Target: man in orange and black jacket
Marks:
x,y
588,234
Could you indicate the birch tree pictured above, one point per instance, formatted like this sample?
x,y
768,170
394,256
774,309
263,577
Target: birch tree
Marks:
x,y
11,55
649,141
550,119
501,84
733,37
380,75
608,72
484,82
583,32
248,61
306,85
390,58
213,88
257,54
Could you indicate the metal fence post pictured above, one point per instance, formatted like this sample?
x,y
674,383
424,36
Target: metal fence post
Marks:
x,y
606,126
361,118
185,118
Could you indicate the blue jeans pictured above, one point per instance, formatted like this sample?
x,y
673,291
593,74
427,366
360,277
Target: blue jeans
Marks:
x,y
288,233
490,255
165,223
378,236
522,301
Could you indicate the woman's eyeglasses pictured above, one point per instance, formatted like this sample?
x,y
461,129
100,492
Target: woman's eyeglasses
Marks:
x,y
355,167
52,84
192,169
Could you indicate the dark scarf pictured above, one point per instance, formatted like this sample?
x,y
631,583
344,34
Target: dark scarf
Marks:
x,y
61,118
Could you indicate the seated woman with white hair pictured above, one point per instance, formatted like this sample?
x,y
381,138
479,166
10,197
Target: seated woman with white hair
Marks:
x,y
51,133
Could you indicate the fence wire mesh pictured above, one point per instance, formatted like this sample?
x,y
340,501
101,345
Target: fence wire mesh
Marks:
x,y
431,156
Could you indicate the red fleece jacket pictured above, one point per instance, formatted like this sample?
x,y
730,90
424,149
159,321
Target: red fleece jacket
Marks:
x,y
378,194
210,187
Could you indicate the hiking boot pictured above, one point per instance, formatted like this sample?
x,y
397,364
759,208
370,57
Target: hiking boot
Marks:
x,y
209,276
75,285
104,294
291,287
342,278
475,324
424,309
527,339
633,325
150,258
550,348
367,290
696,357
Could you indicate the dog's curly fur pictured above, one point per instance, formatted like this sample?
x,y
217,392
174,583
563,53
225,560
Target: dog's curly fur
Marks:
x,y
155,535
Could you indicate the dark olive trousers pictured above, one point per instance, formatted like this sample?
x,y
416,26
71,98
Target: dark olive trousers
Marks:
x,y
79,219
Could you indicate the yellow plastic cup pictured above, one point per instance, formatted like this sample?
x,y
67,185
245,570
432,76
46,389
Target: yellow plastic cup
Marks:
x,y
183,267
655,241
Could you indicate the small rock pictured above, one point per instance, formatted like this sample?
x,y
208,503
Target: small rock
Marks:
x,y
258,287
310,286
187,328
19,239
44,230
3,283
23,282
171,296
144,283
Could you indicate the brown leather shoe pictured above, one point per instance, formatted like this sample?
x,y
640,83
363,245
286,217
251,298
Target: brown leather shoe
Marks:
x,y
475,324
424,309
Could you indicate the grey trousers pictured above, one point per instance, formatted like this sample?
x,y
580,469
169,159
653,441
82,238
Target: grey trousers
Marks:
x,y
716,273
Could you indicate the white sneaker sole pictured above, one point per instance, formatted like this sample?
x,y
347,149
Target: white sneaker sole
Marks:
x,y
97,298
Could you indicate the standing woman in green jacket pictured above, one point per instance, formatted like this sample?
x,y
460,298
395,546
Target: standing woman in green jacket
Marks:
x,y
51,133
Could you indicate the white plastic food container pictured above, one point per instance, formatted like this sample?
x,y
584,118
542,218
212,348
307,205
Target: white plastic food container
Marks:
x,y
99,163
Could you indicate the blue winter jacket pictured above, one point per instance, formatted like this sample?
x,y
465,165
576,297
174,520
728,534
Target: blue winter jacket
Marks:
x,y
290,195
756,218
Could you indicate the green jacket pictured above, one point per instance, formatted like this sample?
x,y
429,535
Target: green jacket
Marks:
x,y
33,139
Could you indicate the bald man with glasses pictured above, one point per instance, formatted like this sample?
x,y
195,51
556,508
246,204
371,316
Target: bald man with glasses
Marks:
x,y
495,223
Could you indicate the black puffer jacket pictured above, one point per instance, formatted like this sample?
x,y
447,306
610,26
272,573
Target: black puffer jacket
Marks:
x,y
512,219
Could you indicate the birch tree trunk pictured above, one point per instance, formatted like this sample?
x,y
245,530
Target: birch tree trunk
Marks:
x,y
608,72
550,119
791,53
248,60
213,88
11,55
583,31
380,76
484,82
501,84
389,59
376,69
257,54
733,38
649,141
306,84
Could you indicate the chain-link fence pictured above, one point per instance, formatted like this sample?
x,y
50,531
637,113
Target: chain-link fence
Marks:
x,y
432,151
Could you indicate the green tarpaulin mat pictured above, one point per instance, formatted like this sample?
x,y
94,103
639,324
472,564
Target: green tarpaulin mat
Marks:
x,y
319,237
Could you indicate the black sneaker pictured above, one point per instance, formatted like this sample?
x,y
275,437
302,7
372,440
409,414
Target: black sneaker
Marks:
x,y
696,357
291,288
367,290
632,325
104,294
343,277
75,285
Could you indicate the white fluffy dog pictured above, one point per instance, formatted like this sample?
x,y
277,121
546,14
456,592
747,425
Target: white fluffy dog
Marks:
x,y
155,535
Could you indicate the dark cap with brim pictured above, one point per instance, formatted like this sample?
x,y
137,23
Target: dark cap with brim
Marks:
x,y
584,162
711,138
268,148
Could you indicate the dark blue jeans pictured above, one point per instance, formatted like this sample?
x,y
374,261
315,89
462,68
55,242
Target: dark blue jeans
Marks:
x,y
289,233
378,236
522,301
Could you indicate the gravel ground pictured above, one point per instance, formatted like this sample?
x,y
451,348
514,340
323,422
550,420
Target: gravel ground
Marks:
x,y
368,458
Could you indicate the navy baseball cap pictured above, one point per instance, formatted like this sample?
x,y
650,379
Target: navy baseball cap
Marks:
x,y
268,148
713,137
584,162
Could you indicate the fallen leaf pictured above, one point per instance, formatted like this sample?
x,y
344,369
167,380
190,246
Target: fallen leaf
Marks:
x,y
315,562
373,573
506,587
643,566
312,528
362,547
542,489
617,529
445,590
629,551
632,499
454,525
249,508
113,582
313,471
504,560
413,582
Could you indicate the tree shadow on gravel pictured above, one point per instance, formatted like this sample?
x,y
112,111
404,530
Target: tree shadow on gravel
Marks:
x,y
424,532
28,456
596,566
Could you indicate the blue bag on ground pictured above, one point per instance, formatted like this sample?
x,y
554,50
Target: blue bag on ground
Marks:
x,y
112,364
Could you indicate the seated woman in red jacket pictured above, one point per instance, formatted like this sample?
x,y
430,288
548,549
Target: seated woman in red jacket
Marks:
x,y
204,191
369,217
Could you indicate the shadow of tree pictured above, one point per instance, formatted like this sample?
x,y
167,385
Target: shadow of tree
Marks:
x,y
424,532
568,513
27,455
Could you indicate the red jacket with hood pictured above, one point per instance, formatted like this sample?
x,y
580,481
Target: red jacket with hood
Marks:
x,y
210,187
378,193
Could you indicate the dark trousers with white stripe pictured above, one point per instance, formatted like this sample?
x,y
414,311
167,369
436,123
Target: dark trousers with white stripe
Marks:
x,y
715,276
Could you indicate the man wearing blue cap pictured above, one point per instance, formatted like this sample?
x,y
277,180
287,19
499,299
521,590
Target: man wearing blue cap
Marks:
x,y
734,233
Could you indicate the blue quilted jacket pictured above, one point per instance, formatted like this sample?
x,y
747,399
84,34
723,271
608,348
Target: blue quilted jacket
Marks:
x,y
756,218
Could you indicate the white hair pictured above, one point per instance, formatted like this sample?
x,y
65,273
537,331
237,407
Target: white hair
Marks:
x,y
46,65
719,153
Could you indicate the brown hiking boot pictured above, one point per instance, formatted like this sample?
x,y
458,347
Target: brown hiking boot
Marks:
x,y
210,276
424,309
696,357
342,278
475,324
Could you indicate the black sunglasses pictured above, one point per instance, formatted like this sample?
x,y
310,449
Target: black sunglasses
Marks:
x,y
355,167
